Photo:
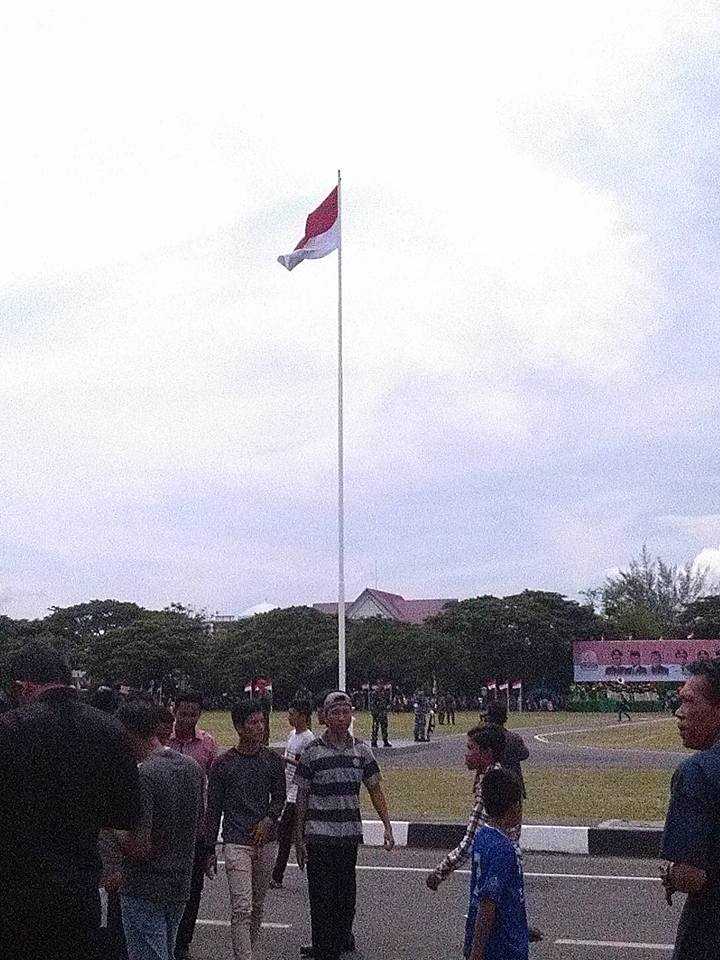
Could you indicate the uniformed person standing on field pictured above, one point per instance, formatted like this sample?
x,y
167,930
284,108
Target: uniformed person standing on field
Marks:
x,y
379,703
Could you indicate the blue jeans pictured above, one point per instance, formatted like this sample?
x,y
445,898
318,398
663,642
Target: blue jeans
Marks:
x,y
151,927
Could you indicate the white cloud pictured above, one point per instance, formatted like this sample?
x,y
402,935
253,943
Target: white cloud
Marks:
x,y
157,160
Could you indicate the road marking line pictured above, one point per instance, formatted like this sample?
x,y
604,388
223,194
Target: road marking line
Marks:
x,y
618,944
543,737
629,878
226,923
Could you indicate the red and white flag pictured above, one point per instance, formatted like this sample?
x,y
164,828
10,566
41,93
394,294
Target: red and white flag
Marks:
x,y
503,686
322,234
491,685
517,684
248,688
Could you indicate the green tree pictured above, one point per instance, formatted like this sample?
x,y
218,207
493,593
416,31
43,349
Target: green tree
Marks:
x,y
648,599
161,647
527,636
296,647
408,655
78,627
702,618
13,634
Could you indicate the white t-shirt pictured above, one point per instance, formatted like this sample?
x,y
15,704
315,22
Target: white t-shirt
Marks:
x,y
296,742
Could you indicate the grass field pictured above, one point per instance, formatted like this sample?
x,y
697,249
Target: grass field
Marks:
x,y
662,735
401,724
555,794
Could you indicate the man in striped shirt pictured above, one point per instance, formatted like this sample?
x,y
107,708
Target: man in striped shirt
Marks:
x,y
329,826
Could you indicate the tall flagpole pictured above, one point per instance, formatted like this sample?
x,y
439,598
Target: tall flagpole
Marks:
x,y
341,491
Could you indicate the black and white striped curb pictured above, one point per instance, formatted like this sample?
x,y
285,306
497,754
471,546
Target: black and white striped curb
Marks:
x,y
600,841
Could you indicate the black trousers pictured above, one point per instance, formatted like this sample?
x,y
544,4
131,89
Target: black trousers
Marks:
x,y
379,724
50,922
189,917
331,886
286,836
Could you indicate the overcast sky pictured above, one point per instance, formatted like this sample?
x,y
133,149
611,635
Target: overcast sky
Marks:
x,y
530,261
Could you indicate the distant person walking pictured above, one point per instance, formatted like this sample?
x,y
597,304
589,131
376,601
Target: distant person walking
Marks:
x,y
623,706
246,792
691,841
515,748
201,746
329,825
158,854
450,704
66,771
299,716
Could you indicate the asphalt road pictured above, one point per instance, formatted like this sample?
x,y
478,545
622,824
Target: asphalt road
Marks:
x,y
548,747
597,909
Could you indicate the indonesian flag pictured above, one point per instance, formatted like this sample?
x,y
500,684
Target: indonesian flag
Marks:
x,y
503,686
248,688
322,234
517,684
491,685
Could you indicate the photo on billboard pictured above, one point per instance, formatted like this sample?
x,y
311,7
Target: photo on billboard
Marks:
x,y
639,661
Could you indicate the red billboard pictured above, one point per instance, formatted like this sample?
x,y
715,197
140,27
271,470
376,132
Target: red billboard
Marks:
x,y
639,661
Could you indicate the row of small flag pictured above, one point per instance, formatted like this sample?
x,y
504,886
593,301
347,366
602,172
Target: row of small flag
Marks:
x,y
512,685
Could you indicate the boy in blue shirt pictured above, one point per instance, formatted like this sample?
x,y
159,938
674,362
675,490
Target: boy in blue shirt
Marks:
x,y
497,927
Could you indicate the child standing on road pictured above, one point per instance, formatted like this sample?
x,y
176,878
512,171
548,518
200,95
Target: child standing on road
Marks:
x,y
497,927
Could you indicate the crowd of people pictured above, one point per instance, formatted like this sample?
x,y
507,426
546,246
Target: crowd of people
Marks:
x,y
112,812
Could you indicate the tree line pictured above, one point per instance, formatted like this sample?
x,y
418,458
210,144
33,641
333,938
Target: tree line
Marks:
x,y
526,636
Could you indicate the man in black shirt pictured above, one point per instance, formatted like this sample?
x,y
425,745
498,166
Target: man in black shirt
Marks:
x,y
691,841
66,771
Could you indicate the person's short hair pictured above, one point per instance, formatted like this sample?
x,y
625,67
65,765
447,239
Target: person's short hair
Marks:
x,y
497,713
105,699
710,671
656,653
336,698
634,653
488,737
242,710
617,651
38,662
500,790
138,717
189,696
303,707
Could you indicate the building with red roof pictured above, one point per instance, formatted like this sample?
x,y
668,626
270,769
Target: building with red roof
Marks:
x,y
391,606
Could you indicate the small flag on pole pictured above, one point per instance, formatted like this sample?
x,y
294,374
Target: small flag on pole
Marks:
x,y
491,685
517,684
503,686
248,688
322,234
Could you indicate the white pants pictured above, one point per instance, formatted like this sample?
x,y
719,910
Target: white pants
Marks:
x,y
249,870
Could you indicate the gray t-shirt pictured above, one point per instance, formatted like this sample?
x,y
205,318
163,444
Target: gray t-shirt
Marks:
x,y
692,835
244,788
172,789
